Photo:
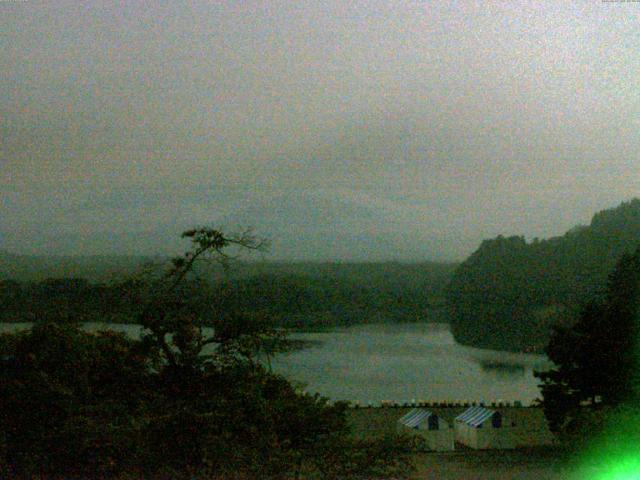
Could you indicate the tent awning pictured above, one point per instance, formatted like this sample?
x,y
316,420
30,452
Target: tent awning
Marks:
x,y
415,417
475,416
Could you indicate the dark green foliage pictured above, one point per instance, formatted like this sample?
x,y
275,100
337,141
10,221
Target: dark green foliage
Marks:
x,y
293,295
69,399
364,459
296,300
80,405
596,359
509,293
60,297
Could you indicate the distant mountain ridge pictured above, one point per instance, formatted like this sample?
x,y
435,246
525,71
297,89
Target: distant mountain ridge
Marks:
x,y
92,267
509,293
300,226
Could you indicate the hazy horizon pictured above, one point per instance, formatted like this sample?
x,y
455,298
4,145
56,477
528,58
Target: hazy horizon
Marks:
x,y
174,245
363,131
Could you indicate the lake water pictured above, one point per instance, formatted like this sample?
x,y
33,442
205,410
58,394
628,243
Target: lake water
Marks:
x,y
397,362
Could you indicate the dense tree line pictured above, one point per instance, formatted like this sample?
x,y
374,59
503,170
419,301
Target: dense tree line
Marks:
x,y
294,295
591,396
596,359
509,293
175,403
30,301
304,301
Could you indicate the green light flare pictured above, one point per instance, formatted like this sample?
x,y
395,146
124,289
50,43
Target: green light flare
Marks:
x,y
621,469
615,455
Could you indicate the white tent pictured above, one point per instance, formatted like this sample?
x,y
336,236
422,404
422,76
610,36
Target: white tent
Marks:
x,y
436,434
481,428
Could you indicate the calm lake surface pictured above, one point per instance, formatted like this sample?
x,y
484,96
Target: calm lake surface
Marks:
x,y
397,362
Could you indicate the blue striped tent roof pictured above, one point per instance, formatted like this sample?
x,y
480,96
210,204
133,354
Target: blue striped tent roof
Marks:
x,y
415,417
475,416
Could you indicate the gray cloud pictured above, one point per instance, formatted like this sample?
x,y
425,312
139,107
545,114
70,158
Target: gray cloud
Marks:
x,y
449,122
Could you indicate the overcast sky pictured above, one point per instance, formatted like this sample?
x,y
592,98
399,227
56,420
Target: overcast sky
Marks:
x,y
339,129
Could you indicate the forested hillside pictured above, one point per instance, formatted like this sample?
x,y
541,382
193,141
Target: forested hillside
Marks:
x,y
333,294
508,293
298,295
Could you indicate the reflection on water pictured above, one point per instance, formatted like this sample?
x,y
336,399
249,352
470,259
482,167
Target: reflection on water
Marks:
x,y
502,369
371,363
